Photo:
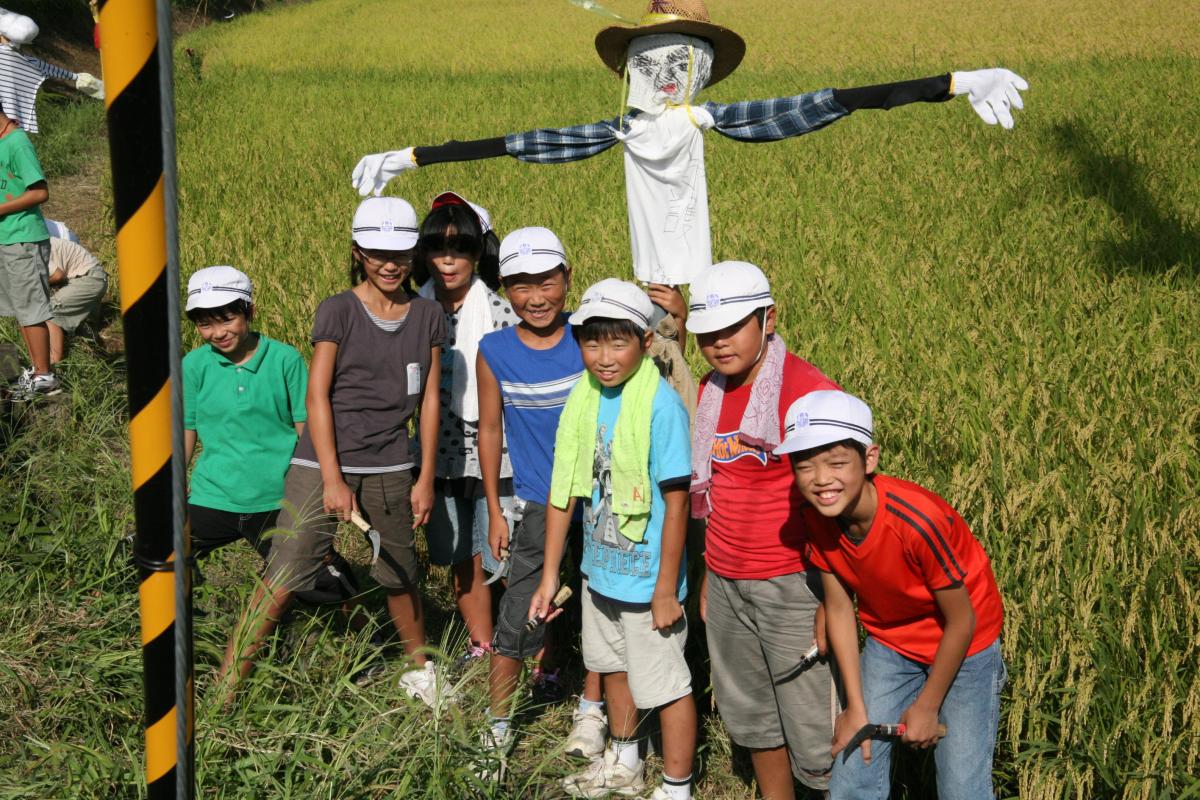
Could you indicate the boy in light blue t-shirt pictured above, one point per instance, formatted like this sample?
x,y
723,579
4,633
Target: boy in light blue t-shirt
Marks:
x,y
623,444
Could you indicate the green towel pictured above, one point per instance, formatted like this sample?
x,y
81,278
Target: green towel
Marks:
x,y
575,448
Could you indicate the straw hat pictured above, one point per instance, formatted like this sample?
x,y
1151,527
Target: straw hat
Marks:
x,y
689,17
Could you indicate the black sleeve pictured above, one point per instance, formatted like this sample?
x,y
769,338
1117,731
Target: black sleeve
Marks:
x,y
890,95
460,151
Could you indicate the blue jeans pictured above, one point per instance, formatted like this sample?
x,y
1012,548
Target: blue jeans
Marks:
x,y
457,530
970,712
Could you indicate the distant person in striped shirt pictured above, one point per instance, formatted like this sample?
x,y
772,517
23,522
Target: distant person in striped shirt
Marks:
x,y
22,75
926,596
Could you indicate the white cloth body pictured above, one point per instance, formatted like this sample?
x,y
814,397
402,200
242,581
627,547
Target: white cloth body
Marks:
x,y
667,195
474,320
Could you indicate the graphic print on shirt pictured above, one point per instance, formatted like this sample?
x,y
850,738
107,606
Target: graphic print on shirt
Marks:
x,y
600,515
729,447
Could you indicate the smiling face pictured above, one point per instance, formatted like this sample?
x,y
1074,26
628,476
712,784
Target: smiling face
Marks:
x,y
834,480
538,299
736,351
227,331
385,270
613,351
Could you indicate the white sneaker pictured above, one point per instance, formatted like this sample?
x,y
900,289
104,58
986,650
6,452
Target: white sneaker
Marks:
x,y
660,794
605,776
427,685
30,385
589,732
495,746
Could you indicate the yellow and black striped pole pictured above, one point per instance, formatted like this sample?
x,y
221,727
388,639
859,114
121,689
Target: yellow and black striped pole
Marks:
x,y
136,59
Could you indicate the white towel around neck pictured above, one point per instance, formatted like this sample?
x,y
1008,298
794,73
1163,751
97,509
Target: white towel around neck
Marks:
x,y
474,320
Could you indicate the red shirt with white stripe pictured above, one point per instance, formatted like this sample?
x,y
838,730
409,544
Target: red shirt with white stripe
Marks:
x,y
756,529
917,544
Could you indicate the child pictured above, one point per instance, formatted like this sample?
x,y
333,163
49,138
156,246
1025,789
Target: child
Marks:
x,y
452,243
24,253
758,598
623,446
376,362
525,373
926,596
80,284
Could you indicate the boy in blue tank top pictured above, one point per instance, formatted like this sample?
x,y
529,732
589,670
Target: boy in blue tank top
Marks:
x,y
524,373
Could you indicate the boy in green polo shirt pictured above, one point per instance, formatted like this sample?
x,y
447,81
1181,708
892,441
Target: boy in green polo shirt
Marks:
x,y
243,398
24,253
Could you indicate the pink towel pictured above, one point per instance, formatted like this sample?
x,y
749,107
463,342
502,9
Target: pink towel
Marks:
x,y
760,422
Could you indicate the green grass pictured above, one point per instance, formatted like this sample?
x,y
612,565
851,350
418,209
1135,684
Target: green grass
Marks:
x,y
1019,308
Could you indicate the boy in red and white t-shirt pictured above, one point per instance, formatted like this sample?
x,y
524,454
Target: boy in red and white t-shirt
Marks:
x,y
926,597
758,598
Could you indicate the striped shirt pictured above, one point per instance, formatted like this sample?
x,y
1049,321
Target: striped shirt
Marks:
x,y
766,120
534,385
20,78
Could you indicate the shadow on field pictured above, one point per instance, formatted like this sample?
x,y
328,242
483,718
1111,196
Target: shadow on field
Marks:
x,y
1157,239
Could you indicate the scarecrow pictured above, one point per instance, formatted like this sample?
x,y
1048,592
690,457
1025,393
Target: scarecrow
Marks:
x,y
21,75
672,53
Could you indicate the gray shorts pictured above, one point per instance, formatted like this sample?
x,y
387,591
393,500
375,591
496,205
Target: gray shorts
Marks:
x,y
758,631
620,637
306,534
24,282
76,301
528,552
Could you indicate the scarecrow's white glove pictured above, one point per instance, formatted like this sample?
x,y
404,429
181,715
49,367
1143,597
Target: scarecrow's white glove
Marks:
x,y
90,85
991,92
373,172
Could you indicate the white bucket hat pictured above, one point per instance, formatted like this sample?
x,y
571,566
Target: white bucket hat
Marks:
x,y
824,417
385,223
17,28
614,299
213,287
530,251
725,293
60,231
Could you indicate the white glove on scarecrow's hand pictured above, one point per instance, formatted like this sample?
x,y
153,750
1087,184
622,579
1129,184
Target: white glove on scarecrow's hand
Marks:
x,y
991,92
373,172
90,85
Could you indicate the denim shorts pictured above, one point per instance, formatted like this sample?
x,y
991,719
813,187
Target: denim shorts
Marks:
x,y
458,530
970,712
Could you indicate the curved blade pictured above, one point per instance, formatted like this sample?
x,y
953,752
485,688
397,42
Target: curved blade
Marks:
x,y
867,731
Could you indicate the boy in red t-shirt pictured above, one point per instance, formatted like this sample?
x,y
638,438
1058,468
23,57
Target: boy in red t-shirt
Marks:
x,y
758,597
926,596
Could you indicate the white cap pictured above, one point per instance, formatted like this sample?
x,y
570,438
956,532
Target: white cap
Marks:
x,y
385,223
824,417
60,231
449,198
17,28
725,293
213,287
530,251
614,299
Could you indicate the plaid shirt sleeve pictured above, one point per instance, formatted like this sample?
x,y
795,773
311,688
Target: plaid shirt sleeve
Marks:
x,y
559,145
776,118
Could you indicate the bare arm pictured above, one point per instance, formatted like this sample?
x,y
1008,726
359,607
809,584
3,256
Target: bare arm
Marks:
x,y
842,631
35,195
921,717
57,278
338,498
665,609
490,442
427,426
189,446
299,429
558,520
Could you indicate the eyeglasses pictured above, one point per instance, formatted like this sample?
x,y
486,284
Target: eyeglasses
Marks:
x,y
377,258
458,243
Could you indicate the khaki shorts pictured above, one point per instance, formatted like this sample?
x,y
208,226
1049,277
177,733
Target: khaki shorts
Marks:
x,y
619,637
24,282
305,536
76,301
758,631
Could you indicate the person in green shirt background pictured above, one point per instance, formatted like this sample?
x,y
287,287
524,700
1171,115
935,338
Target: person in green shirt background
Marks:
x,y
24,254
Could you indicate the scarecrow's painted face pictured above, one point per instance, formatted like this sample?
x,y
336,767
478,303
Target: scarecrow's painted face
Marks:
x,y
666,68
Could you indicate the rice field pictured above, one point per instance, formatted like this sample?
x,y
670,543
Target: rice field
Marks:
x,y
1019,307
